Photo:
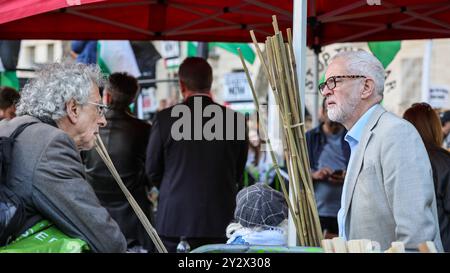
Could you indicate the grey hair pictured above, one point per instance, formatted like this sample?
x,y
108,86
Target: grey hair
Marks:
x,y
364,63
56,84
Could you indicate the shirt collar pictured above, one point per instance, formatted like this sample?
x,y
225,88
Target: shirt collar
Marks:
x,y
198,94
354,135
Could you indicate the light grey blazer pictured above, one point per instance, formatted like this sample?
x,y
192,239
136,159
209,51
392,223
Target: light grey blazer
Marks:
x,y
46,171
390,193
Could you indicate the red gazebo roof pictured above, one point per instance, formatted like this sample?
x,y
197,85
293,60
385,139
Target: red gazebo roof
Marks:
x,y
231,20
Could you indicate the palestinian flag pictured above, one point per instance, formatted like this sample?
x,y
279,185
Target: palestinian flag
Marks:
x,y
117,56
137,58
247,51
9,56
385,51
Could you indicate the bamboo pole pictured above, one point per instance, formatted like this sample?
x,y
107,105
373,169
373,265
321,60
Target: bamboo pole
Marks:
x,y
300,210
274,159
294,71
301,129
304,153
261,58
280,69
101,150
278,47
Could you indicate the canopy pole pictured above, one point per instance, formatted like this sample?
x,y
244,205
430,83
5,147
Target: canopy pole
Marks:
x,y
426,71
315,105
299,41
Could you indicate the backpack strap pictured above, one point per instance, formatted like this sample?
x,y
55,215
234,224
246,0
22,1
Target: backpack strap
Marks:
x,y
20,129
6,148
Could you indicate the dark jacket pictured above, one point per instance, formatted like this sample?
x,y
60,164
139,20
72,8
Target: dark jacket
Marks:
x,y
440,163
316,140
197,178
47,172
125,138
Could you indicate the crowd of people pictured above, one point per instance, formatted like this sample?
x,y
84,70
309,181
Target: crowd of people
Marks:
x,y
375,175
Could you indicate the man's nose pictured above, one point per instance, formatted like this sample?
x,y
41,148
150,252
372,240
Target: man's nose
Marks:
x,y
102,121
326,91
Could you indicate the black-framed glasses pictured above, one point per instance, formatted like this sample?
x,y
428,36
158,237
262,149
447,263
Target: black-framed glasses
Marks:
x,y
330,83
101,108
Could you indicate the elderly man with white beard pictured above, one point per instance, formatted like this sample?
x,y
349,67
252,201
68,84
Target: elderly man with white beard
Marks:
x,y
388,192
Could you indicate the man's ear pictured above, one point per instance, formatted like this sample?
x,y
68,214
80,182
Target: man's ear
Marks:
x,y
73,112
182,87
368,89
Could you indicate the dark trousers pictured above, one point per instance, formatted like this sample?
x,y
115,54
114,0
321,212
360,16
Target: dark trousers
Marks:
x,y
171,242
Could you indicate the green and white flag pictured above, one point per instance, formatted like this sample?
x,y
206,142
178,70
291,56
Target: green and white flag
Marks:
x,y
117,56
247,51
9,78
385,51
9,56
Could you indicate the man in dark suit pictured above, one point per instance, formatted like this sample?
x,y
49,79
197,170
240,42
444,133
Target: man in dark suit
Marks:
x,y
196,161
125,138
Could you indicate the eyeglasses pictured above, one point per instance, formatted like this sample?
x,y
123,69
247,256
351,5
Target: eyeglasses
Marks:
x,y
331,81
101,108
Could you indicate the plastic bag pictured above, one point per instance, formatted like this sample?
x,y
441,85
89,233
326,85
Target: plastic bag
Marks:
x,y
44,237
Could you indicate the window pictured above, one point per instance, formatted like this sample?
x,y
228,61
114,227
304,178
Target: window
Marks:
x,y
31,55
50,53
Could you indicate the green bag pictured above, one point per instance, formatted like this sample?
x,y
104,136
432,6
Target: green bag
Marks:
x,y
224,248
44,237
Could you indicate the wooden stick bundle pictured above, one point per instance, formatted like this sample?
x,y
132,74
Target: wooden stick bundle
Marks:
x,y
279,67
101,150
339,245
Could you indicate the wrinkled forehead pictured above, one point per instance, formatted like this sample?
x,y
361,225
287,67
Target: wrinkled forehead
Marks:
x,y
94,94
337,67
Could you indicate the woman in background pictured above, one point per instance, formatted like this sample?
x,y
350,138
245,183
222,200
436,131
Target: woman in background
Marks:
x,y
427,123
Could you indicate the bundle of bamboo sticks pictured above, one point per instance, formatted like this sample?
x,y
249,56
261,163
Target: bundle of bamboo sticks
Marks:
x,y
339,245
101,150
280,69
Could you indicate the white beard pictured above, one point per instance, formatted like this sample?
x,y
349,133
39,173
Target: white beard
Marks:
x,y
343,112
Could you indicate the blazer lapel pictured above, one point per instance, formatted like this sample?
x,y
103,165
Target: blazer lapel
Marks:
x,y
355,168
357,160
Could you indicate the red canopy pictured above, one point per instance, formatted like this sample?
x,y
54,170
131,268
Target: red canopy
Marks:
x,y
199,20
351,21
230,20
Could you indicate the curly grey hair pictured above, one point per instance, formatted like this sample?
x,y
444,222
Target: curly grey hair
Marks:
x,y
55,84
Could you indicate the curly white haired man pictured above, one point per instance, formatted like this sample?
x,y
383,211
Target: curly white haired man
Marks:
x,y
64,104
